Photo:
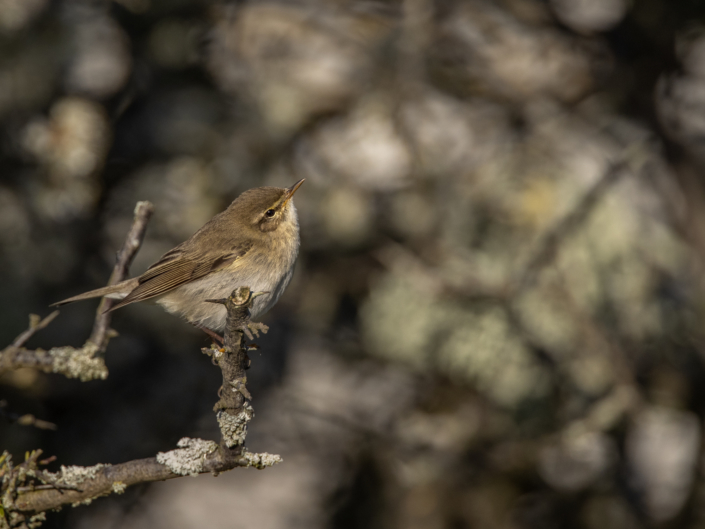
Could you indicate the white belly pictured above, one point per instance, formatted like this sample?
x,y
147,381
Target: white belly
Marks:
x,y
188,301
258,273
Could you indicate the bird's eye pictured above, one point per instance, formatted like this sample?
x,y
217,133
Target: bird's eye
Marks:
x,y
270,213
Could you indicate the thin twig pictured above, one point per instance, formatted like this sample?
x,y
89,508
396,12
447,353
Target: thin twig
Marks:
x,y
26,419
133,241
35,324
9,355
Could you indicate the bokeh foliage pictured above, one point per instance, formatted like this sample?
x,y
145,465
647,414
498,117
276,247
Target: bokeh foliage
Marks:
x,y
496,317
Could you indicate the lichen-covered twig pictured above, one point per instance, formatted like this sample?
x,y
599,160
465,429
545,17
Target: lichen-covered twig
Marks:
x,y
233,409
83,363
27,491
80,485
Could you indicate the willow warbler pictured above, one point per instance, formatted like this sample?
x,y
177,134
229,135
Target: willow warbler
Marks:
x,y
253,243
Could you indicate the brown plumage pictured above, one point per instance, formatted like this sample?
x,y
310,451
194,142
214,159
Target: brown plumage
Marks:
x,y
253,243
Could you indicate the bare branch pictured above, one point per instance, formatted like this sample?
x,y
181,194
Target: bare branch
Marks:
x,y
9,355
26,419
84,363
35,324
133,241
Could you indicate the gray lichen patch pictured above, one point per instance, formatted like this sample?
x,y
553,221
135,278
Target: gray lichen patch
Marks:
x,y
187,460
262,460
214,351
234,427
119,487
87,501
79,363
75,475
477,346
37,520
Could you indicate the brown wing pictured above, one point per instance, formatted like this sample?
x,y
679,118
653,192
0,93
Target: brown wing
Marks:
x,y
175,268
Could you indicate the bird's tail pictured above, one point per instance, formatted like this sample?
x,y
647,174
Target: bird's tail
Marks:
x,y
117,291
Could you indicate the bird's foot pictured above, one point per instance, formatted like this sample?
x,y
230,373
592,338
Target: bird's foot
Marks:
x,y
253,328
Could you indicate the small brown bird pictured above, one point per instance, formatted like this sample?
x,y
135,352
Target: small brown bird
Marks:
x,y
253,243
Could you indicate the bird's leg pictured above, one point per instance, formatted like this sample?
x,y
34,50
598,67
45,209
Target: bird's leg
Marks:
x,y
217,338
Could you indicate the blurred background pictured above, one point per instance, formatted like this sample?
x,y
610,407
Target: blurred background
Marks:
x,y
496,318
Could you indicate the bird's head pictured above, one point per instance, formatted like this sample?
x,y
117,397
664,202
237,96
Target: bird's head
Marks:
x,y
267,209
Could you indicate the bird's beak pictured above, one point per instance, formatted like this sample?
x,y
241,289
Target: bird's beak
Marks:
x,y
291,190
